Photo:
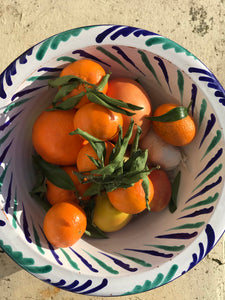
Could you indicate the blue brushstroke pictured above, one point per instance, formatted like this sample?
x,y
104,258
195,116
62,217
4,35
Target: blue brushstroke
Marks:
x,y
178,236
208,129
123,54
206,189
164,70
11,71
200,212
26,227
193,97
8,122
47,69
99,287
25,92
202,252
152,252
84,261
211,81
120,263
211,162
85,54
82,287
124,31
9,193
100,38
2,223
4,153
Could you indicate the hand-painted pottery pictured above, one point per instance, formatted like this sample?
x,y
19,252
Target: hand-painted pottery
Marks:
x,y
156,247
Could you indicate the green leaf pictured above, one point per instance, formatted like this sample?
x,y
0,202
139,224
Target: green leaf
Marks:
x,y
119,172
63,80
54,174
175,189
64,91
135,143
69,103
117,162
119,103
94,189
137,161
175,114
145,185
97,98
118,144
96,162
94,232
103,82
97,144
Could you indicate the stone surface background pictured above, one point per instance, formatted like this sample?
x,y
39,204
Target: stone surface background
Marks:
x,y
199,26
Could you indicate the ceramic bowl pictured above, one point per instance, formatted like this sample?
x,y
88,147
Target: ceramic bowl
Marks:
x,y
156,247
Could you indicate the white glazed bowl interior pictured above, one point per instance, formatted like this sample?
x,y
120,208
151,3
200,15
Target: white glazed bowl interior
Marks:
x,y
154,248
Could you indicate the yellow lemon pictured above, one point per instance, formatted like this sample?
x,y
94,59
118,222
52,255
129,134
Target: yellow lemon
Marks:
x,y
106,217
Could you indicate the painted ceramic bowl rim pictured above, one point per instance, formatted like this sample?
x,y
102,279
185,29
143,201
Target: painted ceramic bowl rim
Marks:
x,y
182,62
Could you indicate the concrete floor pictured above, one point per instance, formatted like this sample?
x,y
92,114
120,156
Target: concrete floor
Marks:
x,y
199,26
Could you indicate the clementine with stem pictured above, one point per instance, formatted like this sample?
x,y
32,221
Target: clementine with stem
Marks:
x,y
132,199
178,133
130,91
87,70
98,121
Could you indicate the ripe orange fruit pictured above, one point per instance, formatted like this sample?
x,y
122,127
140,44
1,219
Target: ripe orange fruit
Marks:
x,y
130,91
132,199
162,190
177,133
98,121
56,194
80,187
87,70
84,164
64,224
51,138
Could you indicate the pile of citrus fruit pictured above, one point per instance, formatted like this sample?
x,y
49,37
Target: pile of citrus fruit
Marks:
x,y
89,164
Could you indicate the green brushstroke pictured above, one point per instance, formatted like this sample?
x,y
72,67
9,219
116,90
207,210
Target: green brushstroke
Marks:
x,y
159,280
111,56
202,112
102,264
15,104
148,65
188,226
136,260
170,274
24,262
66,58
14,220
168,44
168,248
4,138
43,49
180,83
71,262
213,143
37,241
41,77
2,177
207,201
209,176
54,41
